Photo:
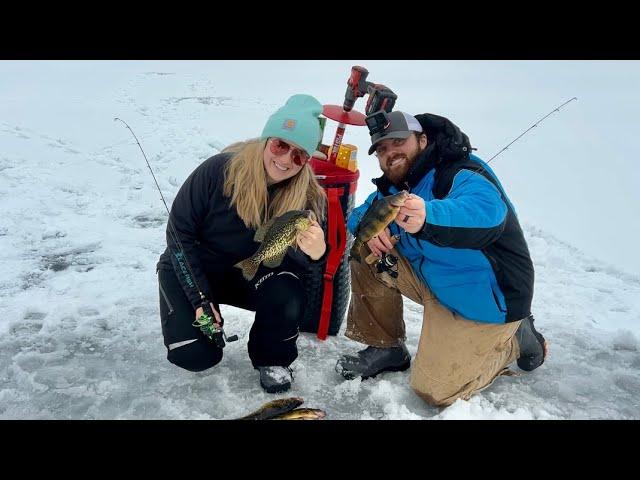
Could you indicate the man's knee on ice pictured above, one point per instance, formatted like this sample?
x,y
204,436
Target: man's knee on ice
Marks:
x,y
434,394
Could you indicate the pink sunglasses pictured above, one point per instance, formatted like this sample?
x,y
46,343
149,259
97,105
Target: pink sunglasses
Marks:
x,y
279,147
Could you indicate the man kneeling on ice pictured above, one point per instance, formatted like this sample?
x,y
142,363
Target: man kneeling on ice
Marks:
x,y
460,253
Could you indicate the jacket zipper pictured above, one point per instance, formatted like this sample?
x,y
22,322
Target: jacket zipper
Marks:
x,y
166,299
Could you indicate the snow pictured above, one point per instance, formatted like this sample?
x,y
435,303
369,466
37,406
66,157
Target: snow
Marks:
x,y
82,226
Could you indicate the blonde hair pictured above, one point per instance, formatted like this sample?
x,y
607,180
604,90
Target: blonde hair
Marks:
x,y
246,184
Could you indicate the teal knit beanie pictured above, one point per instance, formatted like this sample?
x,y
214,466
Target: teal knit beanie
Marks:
x,y
297,121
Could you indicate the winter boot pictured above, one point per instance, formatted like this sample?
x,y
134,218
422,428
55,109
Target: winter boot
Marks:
x,y
532,345
275,379
374,360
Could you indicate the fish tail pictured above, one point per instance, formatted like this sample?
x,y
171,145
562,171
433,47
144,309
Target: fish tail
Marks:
x,y
355,250
249,268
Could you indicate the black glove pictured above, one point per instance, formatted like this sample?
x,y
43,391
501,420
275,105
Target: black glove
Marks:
x,y
451,142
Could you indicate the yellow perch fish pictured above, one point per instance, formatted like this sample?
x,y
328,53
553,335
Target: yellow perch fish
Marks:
x,y
274,408
375,220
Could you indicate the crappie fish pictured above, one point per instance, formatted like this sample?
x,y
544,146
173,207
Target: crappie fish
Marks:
x,y
274,408
276,236
302,414
375,220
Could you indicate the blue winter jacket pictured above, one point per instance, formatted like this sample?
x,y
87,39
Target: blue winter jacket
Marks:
x,y
471,252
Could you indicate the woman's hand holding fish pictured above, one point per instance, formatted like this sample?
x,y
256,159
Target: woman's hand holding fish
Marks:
x,y
412,215
381,243
311,241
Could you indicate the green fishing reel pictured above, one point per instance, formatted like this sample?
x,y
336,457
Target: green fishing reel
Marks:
x,y
214,332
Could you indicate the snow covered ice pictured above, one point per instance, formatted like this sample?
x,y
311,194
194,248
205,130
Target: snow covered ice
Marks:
x,y
82,226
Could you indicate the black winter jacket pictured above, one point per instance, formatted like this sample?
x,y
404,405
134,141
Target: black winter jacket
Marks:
x,y
213,237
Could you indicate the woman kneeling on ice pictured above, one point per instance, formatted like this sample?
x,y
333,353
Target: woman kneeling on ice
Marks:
x,y
213,222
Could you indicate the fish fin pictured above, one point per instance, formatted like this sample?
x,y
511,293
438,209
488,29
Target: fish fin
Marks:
x,y
262,230
275,261
249,268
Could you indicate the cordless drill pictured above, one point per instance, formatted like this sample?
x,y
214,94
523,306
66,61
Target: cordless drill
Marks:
x,y
381,97
356,87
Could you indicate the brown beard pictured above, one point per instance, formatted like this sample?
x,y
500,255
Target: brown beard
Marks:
x,y
398,177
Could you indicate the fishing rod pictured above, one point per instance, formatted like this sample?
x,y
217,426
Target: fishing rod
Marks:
x,y
205,322
557,109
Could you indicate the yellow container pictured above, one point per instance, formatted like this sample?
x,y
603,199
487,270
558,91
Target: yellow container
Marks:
x,y
346,156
